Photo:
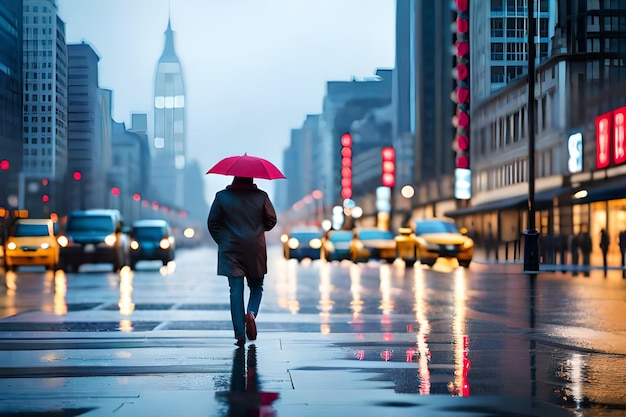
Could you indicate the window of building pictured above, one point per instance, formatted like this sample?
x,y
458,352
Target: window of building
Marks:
x,y
497,74
497,28
497,51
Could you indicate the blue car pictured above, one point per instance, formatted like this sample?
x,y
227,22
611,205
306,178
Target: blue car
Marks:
x,y
302,243
151,240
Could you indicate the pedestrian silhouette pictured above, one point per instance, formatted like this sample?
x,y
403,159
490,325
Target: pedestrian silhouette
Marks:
x,y
585,249
604,246
622,250
575,249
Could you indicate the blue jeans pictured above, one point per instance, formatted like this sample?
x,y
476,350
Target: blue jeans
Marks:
x,y
237,312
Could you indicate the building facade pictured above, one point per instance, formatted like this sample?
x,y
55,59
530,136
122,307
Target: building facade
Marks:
x,y
87,146
44,67
10,101
579,92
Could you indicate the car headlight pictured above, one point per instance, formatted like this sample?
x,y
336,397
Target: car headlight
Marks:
x,y
134,245
293,243
11,246
45,245
359,245
63,241
468,244
315,243
164,243
110,240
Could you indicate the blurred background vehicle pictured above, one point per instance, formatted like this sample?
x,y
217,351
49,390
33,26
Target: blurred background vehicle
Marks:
x,y
372,243
434,239
93,237
336,245
151,240
31,242
302,242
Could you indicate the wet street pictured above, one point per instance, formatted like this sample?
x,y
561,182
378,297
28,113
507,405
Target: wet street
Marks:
x,y
443,341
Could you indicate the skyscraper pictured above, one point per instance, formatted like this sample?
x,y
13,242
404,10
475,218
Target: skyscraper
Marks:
x,y
10,100
45,104
168,146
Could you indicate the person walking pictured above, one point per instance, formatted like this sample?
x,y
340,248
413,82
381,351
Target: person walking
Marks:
x,y
238,219
575,249
604,246
585,249
622,250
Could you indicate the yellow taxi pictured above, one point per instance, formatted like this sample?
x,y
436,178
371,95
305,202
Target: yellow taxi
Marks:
x,y
433,239
31,242
372,243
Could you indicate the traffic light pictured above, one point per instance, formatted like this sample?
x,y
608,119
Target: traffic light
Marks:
x,y
346,166
44,196
4,165
389,166
77,175
115,191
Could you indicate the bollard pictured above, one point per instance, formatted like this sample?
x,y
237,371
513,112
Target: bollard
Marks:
x,y
531,251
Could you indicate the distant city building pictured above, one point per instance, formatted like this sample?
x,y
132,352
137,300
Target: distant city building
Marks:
x,y
45,104
125,173
10,101
139,126
87,148
168,145
344,103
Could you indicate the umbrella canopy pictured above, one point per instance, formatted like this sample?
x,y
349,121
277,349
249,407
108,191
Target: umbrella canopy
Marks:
x,y
247,166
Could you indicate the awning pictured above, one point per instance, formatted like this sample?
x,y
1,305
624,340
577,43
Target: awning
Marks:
x,y
602,192
543,200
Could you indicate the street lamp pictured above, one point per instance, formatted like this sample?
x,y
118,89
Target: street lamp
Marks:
x,y
531,235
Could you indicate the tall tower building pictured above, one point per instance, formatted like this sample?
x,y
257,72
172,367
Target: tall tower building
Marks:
x,y
10,100
45,104
168,146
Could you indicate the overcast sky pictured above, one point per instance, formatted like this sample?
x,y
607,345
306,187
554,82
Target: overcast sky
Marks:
x,y
253,69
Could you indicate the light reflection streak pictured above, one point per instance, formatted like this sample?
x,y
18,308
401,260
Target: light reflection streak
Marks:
x,y
10,281
325,304
419,289
292,288
356,304
576,366
386,303
125,302
47,283
60,291
460,385
168,269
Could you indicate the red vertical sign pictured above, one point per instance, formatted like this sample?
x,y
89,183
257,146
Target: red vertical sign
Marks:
x,y
619,139
603,141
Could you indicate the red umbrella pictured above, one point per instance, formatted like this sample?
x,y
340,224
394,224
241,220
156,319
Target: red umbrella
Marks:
x,y
247,166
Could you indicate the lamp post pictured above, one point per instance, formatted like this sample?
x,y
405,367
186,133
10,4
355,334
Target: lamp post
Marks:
x,y
531,235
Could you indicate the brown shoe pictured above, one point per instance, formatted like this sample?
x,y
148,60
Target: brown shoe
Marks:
x,y
250,326
241,341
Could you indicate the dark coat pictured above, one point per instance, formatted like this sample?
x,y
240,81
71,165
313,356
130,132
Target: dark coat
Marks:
x,y
239,217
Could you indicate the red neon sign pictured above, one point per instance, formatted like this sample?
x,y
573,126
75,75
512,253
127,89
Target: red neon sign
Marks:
x,y
619,139
603,139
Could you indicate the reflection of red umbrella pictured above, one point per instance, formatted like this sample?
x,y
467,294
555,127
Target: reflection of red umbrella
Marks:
x,y
247,166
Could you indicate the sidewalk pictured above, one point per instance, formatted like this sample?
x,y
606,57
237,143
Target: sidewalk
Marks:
x,y
194,374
